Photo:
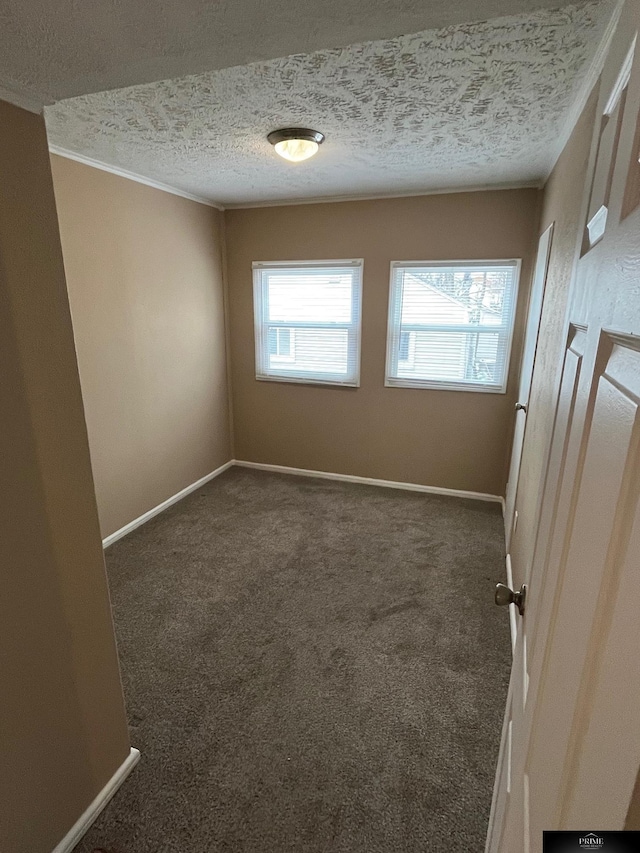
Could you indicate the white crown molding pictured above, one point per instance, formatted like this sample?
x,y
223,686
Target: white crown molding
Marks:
x,y
369,481
147,516
85,820
20,98
293,202
589,80
131,176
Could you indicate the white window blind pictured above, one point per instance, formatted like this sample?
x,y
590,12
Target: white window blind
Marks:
x,y
307,321
451,324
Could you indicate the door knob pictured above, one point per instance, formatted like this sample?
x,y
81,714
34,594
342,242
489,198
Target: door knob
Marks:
x,y
505,595
521,407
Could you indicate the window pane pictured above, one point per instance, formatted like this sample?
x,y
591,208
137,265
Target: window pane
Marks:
x,y
323,297
316,350
441,324
308,322
453,357
450,297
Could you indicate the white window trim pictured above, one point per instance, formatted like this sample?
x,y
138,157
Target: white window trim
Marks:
x,y
261,339
392,343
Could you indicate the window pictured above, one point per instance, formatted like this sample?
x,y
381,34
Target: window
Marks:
x,y
307,321
450,324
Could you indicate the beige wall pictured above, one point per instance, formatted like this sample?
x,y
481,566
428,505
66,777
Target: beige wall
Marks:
x,y
449,439
144,270
62,723
563,204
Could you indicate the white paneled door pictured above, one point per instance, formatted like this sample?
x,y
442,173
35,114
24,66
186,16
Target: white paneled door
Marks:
x,y
570,752
536,298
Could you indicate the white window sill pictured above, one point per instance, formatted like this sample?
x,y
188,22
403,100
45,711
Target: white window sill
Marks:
x,y
297,380
443,386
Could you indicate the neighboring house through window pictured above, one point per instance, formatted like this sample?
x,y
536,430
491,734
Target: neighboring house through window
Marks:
x,y
307,321
451,324
281,343
405,346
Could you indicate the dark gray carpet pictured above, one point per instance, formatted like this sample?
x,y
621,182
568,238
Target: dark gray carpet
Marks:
x,y
309,666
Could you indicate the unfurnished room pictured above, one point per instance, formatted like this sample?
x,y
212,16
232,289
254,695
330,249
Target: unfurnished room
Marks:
x,y
320,338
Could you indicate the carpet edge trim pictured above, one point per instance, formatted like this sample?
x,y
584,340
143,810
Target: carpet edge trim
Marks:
x,y
369,481
90,814
147,516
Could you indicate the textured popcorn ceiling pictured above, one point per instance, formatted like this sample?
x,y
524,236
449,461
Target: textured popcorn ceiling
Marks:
x,y
54,49
474,104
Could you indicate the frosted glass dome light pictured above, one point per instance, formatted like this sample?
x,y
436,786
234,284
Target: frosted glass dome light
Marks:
x,y
296,149
296,143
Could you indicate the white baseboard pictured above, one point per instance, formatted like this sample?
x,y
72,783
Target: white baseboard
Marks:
x,y
91,813
369,481
147,516
301,472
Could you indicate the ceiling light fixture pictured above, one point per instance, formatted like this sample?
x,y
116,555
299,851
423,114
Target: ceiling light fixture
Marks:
x,y
296,143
